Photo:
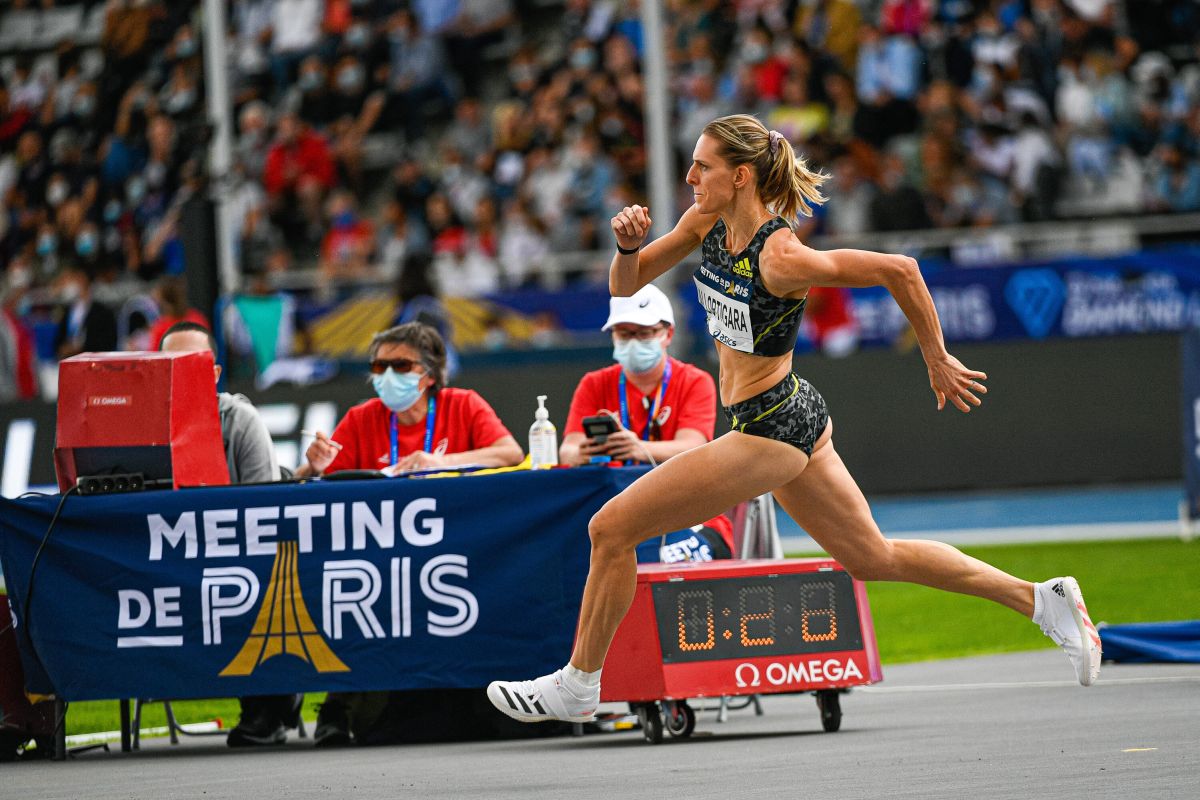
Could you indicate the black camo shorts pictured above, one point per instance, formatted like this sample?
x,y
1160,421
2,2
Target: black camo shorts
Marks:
x,y
791,411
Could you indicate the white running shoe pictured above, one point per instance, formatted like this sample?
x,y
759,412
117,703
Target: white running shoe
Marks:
x,y
543,699
1064,618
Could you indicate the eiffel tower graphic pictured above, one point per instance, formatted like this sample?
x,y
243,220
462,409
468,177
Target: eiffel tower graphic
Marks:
x,y
283,624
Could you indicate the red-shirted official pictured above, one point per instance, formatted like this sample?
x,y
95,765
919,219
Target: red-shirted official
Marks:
x,y
664,406
415,422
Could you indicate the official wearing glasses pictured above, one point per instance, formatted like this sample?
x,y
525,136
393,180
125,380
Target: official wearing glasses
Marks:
x,y
664,407
416,422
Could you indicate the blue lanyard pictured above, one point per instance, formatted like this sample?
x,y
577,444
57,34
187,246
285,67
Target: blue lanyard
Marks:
x,y
430,415
654,408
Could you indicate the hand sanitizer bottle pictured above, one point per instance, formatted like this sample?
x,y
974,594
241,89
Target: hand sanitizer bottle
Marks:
x,y
543,438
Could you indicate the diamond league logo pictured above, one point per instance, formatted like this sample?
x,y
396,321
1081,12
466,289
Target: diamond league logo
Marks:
x,y
1036,296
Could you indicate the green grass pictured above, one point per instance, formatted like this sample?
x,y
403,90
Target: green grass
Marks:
x,y
1122,581
92,716
1128,581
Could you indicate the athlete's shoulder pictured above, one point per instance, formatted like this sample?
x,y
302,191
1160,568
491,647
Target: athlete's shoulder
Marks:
x,y
697,223
781,245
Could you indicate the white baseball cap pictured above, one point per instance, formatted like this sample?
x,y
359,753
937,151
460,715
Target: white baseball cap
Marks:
x,y
647,306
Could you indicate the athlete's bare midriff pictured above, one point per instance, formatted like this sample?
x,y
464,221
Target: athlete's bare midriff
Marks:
x,y
744,375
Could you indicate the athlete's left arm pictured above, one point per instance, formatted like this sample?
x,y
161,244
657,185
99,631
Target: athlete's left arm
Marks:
x,y
790,268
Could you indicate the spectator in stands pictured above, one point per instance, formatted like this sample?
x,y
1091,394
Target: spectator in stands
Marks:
x,y
86,326
18,358
13,119
412,187
312,93
662,406
829,321
348,246
1176,184
399,236
524,245
479,24
898,205
699,105
295,34
1035,170
298,173
416,422
171,294
831,26
250,456
416,85
469,133
254,137
797,117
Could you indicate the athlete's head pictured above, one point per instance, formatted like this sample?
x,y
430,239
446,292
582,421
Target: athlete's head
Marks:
x,y
737,154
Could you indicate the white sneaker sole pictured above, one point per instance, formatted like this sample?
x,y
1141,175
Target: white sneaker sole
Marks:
x,y
513,705
1087,633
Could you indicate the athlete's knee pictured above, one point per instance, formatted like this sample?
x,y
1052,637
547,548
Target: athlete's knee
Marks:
x,y
605,530
874,564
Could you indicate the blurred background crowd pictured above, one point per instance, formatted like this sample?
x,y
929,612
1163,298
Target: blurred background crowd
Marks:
x,y
460,148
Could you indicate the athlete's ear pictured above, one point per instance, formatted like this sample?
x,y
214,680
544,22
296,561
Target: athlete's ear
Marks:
x,y
741,176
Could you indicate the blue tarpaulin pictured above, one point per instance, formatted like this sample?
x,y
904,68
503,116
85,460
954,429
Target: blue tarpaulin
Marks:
x,y
1149,642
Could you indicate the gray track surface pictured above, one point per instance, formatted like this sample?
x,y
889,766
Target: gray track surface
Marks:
x,y
1009,726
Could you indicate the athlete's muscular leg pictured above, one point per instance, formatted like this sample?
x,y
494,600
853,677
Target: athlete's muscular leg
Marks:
x,y
684,491
828,504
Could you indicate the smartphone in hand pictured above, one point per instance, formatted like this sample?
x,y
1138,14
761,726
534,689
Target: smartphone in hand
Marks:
x,y
599,427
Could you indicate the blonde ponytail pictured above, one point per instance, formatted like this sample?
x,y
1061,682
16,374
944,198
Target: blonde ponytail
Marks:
x,y
785,183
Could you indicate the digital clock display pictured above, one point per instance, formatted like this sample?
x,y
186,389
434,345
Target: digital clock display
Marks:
x,y
768,615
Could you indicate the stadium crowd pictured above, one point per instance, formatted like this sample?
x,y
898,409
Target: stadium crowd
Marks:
x,y
497,135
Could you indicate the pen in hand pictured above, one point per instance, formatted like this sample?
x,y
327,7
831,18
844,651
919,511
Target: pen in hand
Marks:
x,y
319,435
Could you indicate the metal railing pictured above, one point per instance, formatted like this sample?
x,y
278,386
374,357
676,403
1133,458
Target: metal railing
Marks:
x,y
966,247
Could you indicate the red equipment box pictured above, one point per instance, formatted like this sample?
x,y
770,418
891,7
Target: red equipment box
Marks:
x,y
149,413
720,628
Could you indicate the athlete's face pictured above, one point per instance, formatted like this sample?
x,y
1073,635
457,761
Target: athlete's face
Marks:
x,y
713,180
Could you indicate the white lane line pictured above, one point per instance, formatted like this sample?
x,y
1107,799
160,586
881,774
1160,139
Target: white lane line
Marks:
x,y
953,687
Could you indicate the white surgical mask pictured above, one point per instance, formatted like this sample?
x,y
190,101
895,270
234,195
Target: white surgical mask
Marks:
x,y
637,356
399,392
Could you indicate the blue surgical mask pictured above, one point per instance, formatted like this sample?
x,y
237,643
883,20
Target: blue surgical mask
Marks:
x,y
399,392
637,356
46,244
85,244
310,80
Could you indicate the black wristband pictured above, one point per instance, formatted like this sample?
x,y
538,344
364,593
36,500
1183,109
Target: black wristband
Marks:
x,y
625,252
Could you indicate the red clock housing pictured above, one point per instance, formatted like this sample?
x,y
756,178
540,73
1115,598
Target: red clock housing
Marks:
x,y
742,627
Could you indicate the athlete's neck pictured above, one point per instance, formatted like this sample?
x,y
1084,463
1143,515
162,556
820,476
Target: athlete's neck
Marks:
x,y
742,219
414,413
648,381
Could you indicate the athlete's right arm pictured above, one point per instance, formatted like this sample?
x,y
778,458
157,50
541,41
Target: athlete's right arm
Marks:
x,y
631,272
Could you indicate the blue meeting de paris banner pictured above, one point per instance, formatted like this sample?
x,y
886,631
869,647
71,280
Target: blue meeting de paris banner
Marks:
x,y
350,585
